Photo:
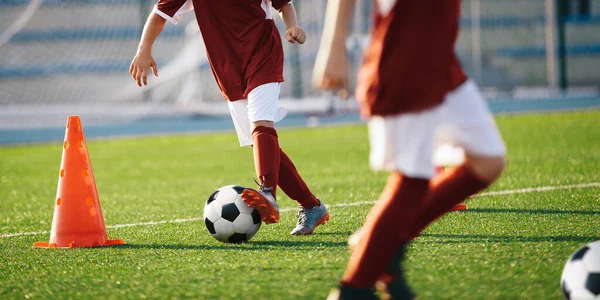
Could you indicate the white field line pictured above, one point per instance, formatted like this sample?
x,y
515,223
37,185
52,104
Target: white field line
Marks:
x,y
540,189
288,209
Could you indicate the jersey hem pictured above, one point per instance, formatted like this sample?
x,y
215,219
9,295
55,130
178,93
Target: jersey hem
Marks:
x,y
368,110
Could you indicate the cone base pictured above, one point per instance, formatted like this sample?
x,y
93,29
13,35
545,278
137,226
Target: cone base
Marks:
x,y
74,245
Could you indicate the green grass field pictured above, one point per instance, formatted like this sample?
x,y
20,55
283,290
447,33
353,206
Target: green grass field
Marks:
x,y
507,246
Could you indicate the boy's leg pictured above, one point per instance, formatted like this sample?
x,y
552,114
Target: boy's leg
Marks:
x,y
292,184
404,145
254,122
256,128
445,158
446,190
471,126
386,230
392,281
266,156
312,211
476,135
266,163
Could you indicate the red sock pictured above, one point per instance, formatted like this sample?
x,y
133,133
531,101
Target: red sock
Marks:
x,y
266,156
387,227
293,185
445,191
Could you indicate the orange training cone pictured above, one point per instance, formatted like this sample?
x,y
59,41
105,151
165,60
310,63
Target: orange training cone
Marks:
x,y
77,220
461,206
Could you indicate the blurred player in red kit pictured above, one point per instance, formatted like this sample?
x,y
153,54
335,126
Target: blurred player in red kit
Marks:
x,y
246,56
415,95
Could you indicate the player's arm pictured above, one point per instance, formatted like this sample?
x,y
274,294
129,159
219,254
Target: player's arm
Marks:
x,y
293,32
330,71
143,59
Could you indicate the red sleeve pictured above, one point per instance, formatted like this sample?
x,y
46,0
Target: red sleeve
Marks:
x,y
169,7
279,4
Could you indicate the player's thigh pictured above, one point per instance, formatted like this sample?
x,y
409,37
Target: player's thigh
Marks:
x,y
468,123
404,143
263,103
239,115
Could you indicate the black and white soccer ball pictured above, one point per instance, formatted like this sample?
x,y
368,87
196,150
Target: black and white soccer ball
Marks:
x,y
581,276
228,218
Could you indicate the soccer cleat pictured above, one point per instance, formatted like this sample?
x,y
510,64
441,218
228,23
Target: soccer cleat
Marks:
x,y
355,238
460,206
395,289
263,201
309,219
348,293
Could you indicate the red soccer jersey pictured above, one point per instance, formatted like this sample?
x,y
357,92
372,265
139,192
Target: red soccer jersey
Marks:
x,y
410,64
242,42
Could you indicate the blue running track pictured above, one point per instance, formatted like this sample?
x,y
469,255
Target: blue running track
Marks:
x,y
198,123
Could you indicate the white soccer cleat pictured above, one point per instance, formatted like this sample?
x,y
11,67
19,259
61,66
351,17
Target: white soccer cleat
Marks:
x,y
355,238
309,219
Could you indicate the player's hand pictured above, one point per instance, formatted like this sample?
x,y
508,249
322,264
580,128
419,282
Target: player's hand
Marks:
x,y
331,70
139,67
295,34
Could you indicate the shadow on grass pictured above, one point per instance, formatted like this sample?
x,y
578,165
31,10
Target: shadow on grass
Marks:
x,y
305,244
478,238
185,247
339,233
250,246
532,211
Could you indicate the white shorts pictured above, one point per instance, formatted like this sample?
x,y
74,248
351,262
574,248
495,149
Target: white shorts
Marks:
x,y
262,105
406,142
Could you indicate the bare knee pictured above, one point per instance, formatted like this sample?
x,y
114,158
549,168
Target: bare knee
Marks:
x,y
262,123
487,168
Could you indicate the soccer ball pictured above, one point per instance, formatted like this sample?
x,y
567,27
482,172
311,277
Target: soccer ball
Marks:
x,y
581,275
228,218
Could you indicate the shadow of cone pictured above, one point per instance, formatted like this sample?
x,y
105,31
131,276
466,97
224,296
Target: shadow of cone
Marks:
x,y
460,206
77,220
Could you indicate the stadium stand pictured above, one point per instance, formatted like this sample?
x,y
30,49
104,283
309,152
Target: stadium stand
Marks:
x,y
78,52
